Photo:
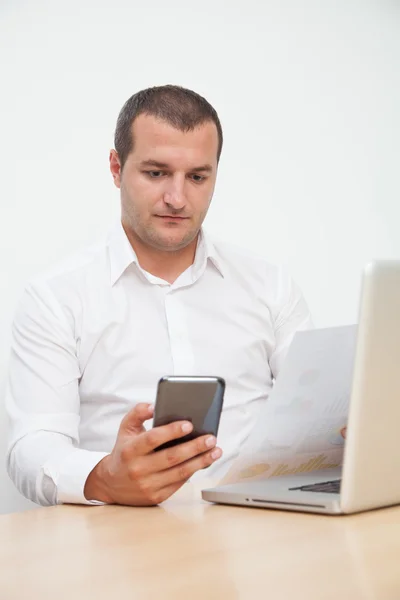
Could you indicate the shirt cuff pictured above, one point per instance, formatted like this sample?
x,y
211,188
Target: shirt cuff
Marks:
x,y
70,475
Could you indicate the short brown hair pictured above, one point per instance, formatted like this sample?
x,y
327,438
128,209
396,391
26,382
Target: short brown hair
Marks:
x,y
178,106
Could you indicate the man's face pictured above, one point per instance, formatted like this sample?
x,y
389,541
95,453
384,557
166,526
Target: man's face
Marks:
x,y
167,182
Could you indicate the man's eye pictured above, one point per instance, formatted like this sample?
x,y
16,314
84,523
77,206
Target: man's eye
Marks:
x,y
198,178
155,174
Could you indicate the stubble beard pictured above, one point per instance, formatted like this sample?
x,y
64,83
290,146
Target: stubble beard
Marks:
x,y
149,235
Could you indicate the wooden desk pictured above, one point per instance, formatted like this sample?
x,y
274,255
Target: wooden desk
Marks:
x,y
187,549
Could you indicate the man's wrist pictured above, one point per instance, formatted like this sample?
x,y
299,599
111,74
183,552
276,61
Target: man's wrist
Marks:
x,y
96,487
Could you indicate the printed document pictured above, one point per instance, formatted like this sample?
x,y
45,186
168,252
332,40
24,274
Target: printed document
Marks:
x,y
299,429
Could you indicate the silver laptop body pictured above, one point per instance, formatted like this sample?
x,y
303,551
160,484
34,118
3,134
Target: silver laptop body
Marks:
x,y
370,476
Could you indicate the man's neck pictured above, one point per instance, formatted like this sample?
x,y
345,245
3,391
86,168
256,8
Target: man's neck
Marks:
x,y
167,265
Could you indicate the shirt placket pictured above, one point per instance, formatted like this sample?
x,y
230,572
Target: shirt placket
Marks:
x,y
178,330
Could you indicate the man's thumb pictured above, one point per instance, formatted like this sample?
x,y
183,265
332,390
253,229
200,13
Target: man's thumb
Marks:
x,y
134,419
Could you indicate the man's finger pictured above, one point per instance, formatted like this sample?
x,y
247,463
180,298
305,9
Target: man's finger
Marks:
x,y
170,457
148,441
134,419
164,493
184,470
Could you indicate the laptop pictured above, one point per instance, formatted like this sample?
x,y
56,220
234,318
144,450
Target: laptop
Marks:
x,y
370,474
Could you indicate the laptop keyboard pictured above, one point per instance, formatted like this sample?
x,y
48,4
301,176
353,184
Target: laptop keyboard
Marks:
x,y
329,487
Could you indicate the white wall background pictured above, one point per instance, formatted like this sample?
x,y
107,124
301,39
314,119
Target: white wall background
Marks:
x,y
308,94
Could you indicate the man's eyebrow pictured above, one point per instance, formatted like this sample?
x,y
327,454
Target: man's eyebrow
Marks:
x,y
203,169
154,163
160,165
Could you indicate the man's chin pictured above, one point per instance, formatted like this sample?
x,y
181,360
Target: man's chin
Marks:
x,y
173,241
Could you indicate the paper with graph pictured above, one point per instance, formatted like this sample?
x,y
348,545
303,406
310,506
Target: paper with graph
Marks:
x,y
299,428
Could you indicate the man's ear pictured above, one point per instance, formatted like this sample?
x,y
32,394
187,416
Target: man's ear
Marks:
x,y
115,168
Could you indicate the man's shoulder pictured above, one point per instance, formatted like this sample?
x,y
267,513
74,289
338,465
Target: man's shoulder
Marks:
x,y
238,257
88,262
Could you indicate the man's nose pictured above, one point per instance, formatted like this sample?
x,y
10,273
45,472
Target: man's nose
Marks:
x,y
174,195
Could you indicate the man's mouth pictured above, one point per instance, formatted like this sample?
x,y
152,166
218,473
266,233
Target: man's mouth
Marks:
x,y
171,217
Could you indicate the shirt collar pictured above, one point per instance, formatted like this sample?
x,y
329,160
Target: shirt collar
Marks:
x,y
206,251
122,255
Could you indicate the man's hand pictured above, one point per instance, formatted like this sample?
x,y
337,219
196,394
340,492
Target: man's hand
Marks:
x,y
134,475
343,432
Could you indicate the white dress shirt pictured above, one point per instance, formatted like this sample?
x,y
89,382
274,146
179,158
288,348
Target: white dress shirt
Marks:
x,y
93,337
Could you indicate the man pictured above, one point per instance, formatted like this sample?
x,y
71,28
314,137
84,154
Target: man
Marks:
x,y
92,338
